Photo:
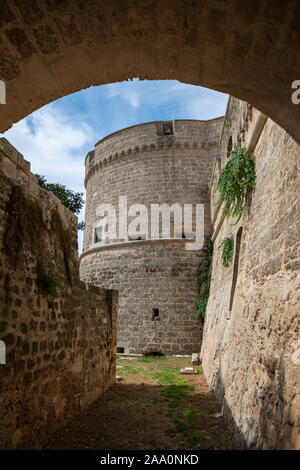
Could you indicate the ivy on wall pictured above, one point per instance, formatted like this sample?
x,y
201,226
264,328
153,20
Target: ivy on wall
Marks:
x,y
236,178
227,246
204,280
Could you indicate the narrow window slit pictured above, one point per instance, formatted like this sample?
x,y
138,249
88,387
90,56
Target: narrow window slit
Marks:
x,y
155,314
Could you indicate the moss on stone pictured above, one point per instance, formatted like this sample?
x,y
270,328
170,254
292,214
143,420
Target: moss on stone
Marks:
x,y
64,237
25,234
23,227
47,284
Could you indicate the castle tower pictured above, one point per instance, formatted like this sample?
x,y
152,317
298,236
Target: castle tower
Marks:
x,y
152,163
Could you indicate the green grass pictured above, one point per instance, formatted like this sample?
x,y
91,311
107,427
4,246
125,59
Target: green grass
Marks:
x,y
192,415
183,424
167,375
130,370
175,393
180,428
153,358
195,437
208,446
153,441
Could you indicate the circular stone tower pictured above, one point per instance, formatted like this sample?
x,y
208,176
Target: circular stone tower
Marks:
x,y
151,164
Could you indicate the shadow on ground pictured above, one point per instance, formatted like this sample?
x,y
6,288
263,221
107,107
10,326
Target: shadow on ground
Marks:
x,y
153,408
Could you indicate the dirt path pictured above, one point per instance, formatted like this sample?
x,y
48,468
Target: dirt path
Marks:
x,y
154,407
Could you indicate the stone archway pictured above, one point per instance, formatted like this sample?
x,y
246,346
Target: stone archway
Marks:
x,y
50,48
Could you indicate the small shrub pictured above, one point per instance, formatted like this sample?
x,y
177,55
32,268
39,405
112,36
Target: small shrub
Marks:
x,y
227,245
204,281
236,178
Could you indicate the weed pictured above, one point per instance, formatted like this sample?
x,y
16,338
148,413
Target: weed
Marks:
x,y
237,177
227,246
204,280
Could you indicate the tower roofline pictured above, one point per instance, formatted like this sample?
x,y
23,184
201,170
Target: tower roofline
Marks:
x,y
153,122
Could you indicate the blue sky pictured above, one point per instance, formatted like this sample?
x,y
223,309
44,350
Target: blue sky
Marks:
x,y
57,137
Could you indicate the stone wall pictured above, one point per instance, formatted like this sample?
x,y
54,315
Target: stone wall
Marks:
x,y
151,168
250,49
59,332
250,353
161,276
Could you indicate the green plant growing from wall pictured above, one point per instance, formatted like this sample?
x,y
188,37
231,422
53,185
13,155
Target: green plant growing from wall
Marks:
x,y
236,178
47,284
204,281
227,246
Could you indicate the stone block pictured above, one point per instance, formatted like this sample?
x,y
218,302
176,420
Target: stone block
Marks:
x,y
188,371
195,359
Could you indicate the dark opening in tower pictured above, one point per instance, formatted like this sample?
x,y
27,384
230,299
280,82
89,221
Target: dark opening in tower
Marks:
x,y
155,314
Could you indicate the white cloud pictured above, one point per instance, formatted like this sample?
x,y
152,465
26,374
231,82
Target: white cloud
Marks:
x,y
55,146
127,91
178,100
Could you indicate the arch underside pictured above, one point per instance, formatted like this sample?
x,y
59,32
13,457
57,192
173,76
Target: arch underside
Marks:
x,y
51,48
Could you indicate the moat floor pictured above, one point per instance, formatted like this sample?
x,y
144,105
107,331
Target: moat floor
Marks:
x,y
154,407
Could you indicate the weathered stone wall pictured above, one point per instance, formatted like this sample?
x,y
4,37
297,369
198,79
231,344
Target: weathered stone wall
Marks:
x,y
151,168
161,276
60,347
52,48
249,354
